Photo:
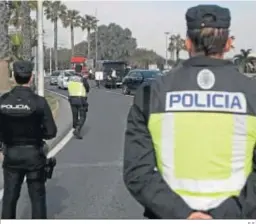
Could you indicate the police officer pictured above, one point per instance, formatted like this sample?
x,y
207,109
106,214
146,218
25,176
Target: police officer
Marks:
x,y
25,121
190,137
78,88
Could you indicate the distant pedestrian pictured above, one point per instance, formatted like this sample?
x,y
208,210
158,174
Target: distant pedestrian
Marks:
x,y
113,78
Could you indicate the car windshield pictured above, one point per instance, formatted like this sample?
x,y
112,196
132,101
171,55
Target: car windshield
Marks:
x,y
69,73
151,74
117,66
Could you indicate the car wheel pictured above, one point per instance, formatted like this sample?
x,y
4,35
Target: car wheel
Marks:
x,y
125,90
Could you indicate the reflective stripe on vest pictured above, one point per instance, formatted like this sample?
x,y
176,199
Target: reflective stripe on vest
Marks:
x,y
76,89
203,157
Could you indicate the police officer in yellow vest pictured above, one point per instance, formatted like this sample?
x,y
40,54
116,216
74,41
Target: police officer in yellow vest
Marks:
x,y
190,138
78,88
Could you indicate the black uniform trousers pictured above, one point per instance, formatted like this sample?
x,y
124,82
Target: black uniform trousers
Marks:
x,y
79,115
13,179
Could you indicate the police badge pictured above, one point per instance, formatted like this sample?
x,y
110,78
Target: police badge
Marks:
x,y
205,79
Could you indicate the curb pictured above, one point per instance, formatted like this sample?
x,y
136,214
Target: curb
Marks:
x,y
65,131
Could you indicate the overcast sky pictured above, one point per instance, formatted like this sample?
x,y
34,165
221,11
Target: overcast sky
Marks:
x,y
148,20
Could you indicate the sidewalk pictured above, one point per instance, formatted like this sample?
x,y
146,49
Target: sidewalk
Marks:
x,y
64,123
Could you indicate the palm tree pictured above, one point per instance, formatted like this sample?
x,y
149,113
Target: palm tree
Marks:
x,y
22,39
4,46
171,47
243,59
88,23
71,19
26,30
180,45
54,10
15,19
176,45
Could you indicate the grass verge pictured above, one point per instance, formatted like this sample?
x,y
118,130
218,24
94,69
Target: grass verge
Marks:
x,y
53,103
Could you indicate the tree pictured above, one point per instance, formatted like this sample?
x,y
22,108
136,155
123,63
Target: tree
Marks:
x,y
23,37
114,42
171,47
88,23
141,58
180,45
243,59
176,45
26,30
71,19
54,10
4,46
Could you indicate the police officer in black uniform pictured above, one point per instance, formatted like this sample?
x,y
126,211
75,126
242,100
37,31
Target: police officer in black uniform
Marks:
x,y
156,120
25,121
78,87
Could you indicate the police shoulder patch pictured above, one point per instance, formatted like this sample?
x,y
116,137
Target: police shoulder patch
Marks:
x,y
205,79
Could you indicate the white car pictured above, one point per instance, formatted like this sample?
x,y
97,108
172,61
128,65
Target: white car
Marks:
x,y
63,78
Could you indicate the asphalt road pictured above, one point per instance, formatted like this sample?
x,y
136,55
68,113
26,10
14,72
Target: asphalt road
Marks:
x,y
87,182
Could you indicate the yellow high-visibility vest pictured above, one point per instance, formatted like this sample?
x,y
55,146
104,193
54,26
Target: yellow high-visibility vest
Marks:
x,y
76,87
204,170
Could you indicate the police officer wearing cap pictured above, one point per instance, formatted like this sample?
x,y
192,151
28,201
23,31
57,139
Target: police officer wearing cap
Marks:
x,y
25,121
190,138
78,88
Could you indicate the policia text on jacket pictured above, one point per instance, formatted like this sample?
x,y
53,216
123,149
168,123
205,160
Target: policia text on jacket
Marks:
x,y
206,101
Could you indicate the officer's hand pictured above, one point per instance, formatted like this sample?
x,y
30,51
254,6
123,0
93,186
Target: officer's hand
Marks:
x,y
199,215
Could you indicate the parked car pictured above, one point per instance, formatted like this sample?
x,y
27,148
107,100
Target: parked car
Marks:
x,y
54,78
136,77
63,78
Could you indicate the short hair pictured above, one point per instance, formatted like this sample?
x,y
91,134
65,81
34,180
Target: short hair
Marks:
x,y
22,78
209,40
78,68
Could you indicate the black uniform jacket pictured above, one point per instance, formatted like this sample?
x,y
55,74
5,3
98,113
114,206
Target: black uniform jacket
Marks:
x,y
25,121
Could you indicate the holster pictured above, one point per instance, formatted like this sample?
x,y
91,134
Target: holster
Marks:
x,y
49,167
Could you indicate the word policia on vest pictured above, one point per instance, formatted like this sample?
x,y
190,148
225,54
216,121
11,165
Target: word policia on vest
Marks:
x,y
206,101
15,107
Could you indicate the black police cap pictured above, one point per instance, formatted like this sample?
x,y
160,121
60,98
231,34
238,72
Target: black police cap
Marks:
x,y
23,67
196,17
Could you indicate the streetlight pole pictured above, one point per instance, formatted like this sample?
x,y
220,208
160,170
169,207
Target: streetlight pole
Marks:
x,y
50,60
96,39
166,48
40,48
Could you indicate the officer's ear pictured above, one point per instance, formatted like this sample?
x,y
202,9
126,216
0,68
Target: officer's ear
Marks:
x,y
228,45
188,44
